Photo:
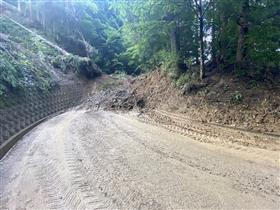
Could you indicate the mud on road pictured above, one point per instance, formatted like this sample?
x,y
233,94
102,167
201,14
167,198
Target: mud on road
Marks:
x,y
104,160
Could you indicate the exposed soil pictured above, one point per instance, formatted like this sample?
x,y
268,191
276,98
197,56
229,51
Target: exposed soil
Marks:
x,y
103,160
149,158
159,103
258,110
111,93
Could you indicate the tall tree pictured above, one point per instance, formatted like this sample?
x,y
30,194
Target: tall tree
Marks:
x,y
242,45
136,36
200,8
213,19
18,5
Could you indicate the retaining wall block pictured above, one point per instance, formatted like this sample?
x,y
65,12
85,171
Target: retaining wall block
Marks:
x,y
35,106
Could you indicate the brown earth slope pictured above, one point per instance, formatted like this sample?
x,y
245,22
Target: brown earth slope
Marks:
x,y
201,115
258,109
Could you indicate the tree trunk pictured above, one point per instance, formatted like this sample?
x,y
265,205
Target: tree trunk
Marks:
x,y
43,20
213,45
18,6
221,48
201,43
213,34
197,45
242,49
174,39
38,15
30,9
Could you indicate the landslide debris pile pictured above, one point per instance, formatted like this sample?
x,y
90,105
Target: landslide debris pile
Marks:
x,y
112,93
118,99
258,111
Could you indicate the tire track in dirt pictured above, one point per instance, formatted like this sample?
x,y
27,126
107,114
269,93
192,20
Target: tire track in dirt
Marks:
x,y
208,133
28,146
256,182
48,168
103,160
110,179
59,175
58,194
83,185
81,176
215,137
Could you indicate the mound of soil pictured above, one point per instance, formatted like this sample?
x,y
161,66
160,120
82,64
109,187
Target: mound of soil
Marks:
x,y
111,93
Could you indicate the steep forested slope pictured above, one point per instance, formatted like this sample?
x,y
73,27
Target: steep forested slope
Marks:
x,y
232,36
189,40
241,37
85,28
25,59
29,60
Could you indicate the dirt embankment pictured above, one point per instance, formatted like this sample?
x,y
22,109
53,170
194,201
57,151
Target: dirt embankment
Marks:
x,y
221,100
207,114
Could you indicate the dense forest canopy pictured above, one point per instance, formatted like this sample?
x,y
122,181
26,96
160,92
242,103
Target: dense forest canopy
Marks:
x,y
185,38
239,35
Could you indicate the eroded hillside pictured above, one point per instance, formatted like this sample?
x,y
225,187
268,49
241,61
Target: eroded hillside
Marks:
x,y
218,101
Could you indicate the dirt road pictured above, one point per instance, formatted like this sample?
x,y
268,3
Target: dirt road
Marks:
x,y
103,160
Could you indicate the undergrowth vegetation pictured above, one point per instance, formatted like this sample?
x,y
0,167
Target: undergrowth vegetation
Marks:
x,y
80,65
22,59
185,39
27,62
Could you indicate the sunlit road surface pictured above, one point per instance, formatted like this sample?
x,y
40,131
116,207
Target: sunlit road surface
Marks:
x,y
103,160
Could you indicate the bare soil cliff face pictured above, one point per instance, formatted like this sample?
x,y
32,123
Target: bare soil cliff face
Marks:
x,y
222,100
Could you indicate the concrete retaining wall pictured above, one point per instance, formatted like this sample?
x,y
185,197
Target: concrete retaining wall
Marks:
x,y
36,106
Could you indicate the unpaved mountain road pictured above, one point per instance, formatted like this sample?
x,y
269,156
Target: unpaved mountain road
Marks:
x,y
104,160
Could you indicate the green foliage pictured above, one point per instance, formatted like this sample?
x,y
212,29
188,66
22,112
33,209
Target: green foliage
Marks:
x,y
79,65
9,76
147,28
85,28
84,66
241,72
58,63
18,73
120,74
182,80
236,98
187,78
146,32
23,59
135,37
168,63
